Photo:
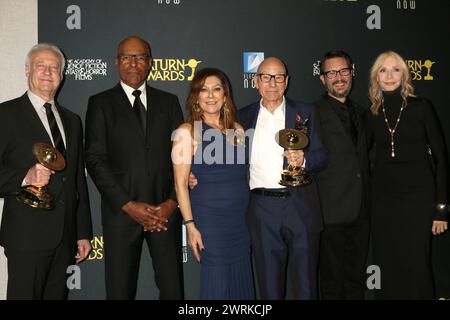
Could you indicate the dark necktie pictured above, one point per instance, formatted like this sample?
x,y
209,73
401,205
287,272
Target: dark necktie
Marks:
x,y
140,111
353,117
56,134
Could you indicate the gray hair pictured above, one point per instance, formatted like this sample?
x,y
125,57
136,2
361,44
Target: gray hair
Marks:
x,y
50,47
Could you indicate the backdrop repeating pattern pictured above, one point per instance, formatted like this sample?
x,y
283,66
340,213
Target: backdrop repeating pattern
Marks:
x,y
235,36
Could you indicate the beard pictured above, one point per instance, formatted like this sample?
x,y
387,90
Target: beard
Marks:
x,y
339,94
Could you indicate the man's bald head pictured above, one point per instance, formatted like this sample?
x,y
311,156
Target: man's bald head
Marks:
x,y
271,82
271,62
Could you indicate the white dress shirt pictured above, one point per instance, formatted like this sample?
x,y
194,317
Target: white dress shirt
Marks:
x,y
129,92
266,160
38,104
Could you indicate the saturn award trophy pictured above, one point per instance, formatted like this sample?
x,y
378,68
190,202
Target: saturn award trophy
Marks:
x,y
36,195
294,139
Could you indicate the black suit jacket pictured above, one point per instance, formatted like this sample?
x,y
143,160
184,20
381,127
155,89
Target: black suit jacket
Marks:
x,y
123,163
24,227
343,185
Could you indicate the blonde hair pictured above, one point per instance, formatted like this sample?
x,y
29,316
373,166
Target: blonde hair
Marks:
x,y
375,92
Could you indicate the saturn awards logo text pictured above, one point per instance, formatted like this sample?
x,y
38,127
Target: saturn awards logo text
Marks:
x,y
173,69
421,69
86,69
97,248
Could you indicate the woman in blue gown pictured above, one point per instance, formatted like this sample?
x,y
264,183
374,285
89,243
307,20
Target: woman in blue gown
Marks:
x,y
211,145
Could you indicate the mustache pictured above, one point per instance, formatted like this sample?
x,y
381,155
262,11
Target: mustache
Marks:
x,y
339,81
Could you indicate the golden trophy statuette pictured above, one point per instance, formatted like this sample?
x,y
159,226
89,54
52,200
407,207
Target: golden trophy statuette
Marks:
x,y
36,195
293,139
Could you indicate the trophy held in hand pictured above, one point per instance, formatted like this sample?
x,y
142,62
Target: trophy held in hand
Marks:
x,y
294,139
36,195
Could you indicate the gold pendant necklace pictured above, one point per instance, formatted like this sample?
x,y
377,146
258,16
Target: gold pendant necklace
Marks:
x,y
392,130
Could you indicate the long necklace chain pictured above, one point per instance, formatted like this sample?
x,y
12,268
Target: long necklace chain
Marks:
x,y
392,130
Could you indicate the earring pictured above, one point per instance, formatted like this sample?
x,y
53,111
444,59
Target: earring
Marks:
x,y
224,107
197,107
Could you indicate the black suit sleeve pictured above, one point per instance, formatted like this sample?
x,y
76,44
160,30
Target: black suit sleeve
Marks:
x,y
97,158
177,120
83,214
315,154
11,176
436,142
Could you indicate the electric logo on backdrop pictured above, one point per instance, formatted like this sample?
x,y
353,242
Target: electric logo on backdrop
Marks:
x,y
173,69
251,61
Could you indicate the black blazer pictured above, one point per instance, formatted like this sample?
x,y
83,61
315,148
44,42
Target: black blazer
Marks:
x,y
24,227
344,184
123,163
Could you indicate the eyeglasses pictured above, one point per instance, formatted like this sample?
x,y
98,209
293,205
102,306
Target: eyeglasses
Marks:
x,y
139,58
265,77
333,73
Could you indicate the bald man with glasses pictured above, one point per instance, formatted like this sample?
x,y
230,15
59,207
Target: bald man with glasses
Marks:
x,y
284,222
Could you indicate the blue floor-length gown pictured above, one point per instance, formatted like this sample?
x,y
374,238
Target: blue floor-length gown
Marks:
x,y
219,204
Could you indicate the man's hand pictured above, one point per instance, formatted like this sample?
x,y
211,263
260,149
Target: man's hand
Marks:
x,y
38,175
295,158
84,247
166,209
146,215
439,227
192,181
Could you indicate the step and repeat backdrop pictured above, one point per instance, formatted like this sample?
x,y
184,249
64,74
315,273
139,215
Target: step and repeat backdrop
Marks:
x,y
235,35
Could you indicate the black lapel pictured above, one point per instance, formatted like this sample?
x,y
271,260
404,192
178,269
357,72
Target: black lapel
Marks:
x,y
154,103
290,116
253,115
68,130
335,120
34,122
123,105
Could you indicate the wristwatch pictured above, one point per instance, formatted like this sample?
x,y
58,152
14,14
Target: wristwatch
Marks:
x,y
442,207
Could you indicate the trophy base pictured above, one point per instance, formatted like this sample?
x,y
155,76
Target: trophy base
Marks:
x,y
36,197
295,178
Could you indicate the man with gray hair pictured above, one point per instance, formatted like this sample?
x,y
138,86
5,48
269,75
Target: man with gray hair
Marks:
x,y
40,243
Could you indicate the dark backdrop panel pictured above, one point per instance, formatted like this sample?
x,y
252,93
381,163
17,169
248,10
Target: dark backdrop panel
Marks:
x,y
217,33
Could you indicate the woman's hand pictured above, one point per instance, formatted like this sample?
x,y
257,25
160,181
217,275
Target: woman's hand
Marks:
x,y
195,240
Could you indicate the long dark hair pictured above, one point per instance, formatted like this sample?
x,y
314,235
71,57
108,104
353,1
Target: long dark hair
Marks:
x,y
228,110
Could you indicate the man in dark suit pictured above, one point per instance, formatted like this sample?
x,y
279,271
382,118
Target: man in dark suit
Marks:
x,y
284,222
40,244
128,155
343,186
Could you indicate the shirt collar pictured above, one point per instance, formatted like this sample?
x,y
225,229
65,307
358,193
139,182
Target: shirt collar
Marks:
x,y
38,102
129,90
279,112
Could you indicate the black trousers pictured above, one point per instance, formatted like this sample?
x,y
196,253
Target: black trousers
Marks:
x,y
343,256
37,275
123,247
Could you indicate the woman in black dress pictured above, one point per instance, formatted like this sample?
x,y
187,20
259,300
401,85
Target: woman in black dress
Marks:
x,y
409,181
